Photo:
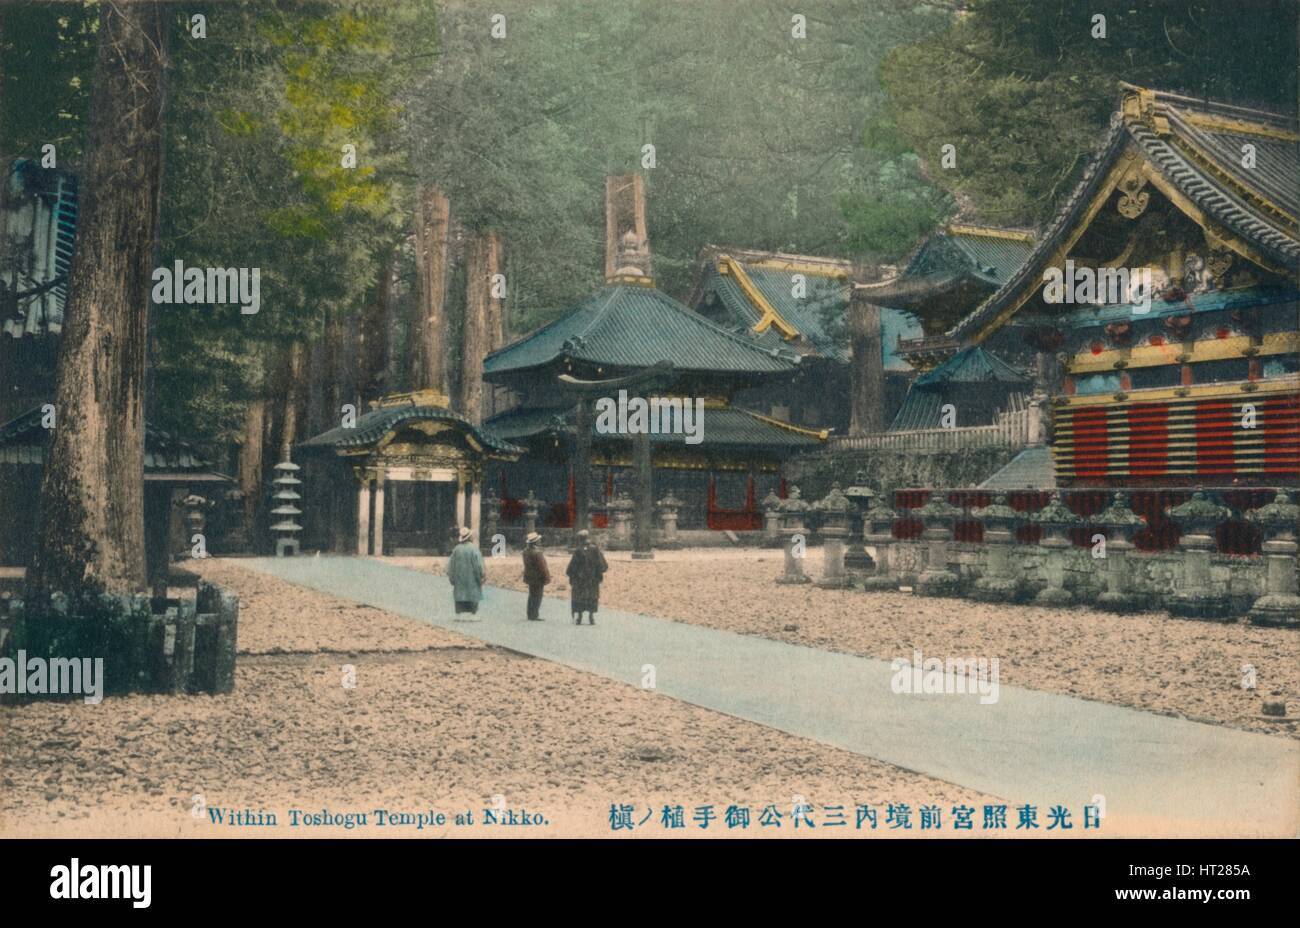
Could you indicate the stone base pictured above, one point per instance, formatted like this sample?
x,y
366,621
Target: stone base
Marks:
x,y
836,583
884,584
1122,603
995,589
1199,605
787,578
1276,609
937,583
643,555
1051,597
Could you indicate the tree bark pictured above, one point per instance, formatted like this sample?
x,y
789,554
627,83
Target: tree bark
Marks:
x,y
293,398
429,315
482,328
373,326
90,536
867,372
496,308
250,468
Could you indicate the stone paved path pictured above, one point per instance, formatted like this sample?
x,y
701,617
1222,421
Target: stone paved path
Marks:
x,y
1158,775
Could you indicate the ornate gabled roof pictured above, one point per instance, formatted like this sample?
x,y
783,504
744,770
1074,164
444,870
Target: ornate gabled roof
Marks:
x,y
972,365
23,441
373,426
1191,152
758,292
725,426
984,253
629,326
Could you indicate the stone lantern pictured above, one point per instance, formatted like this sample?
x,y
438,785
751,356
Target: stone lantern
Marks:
x,y
1055,518
1000,581
532,507
771,506
1195,597
1279,605
286,510
878,531
669,507
793,509
620,516
1121,522
856,558
939,516
834,509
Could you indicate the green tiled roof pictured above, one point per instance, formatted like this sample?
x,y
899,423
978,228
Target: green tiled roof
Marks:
x,y
377,423
728,427
22,441
629,326
815,316
948,253
923,405
972,365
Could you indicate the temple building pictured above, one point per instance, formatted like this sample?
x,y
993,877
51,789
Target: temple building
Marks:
x,y
38,218
175,472
629,329
800,303
399,480
1159,309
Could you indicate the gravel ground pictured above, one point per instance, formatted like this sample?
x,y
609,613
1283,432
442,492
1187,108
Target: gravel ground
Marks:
x,y
1151,661
434,721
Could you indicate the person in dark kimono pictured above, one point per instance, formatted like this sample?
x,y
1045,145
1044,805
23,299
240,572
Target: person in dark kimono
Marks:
x,y
466,573
586,568
536,574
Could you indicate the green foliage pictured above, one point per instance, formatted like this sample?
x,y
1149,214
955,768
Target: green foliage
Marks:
x,y
47,54
1023,90
757,135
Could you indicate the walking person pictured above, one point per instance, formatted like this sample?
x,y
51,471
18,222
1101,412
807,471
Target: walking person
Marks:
x,y
536,574
585,570
465,571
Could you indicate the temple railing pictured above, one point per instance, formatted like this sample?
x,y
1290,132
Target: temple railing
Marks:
x,y
1015,429
1214,553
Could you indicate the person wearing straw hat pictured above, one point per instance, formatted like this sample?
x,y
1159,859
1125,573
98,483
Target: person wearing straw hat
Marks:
x,y
586,568
465,571
536,574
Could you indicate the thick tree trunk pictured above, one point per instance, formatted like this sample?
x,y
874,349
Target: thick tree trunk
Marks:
x,y
429,313
294,391
482,329
867,372
373,325
91,530
496,309
250,466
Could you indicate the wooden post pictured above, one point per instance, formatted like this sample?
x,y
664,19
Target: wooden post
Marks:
x,y
867,373
642,542
582,466
475,510
379,515
363,516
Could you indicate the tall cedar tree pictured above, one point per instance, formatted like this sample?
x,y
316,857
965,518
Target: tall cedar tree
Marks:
x,y
91,531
